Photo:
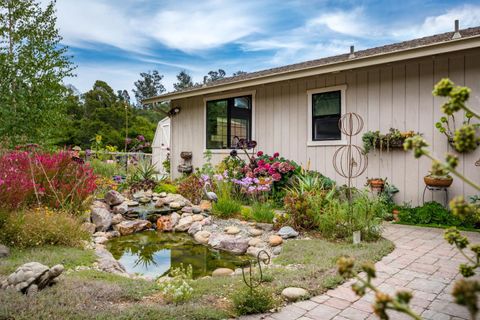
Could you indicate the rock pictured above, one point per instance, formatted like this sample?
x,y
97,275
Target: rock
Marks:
x,y
255,232
265,226
164,223
144,200
4,251
132,203
112,234
198,217
207,221
101,217
186,209
231,230
113,198
160,203
277,250
222,272
202,236
275,240
184,223
31,277
175,218
255,242
287,232
205,205
194,228
294,294
233,244
175,205
253,251
186,214
196,209
101,240
122,208
173,197
139,194
129,227
117,219
88,226
99,234
107,263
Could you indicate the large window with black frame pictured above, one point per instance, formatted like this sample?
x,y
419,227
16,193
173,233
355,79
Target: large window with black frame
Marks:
x,y
227,119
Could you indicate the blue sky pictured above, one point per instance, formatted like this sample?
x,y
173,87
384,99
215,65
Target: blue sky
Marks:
x,y
115,40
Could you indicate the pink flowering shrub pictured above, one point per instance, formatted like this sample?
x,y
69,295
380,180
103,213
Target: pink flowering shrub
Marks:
x,y
51,179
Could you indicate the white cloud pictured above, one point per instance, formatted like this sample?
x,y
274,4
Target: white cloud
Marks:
x,y
469,16
205,26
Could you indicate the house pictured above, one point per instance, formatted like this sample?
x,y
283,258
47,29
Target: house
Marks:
x,y
294,109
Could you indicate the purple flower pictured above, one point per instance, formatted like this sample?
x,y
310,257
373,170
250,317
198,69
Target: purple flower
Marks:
x,y
141,138
205,178
88,152
128,141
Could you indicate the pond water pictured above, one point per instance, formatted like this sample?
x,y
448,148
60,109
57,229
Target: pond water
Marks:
x,y
153,253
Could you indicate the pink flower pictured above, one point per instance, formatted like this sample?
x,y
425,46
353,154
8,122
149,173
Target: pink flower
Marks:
x,y
276,177
276,154
260,153
271,171
260,163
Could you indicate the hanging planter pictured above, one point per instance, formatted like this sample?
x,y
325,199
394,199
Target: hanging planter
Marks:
x,y
394,139
376,184
438,181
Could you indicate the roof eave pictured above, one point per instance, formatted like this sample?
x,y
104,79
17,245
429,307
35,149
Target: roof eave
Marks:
x,y
360,62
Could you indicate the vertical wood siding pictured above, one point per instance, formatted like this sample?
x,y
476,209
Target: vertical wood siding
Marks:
x,y
397,95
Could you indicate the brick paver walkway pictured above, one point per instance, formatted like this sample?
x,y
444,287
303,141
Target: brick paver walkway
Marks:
x,y
422,262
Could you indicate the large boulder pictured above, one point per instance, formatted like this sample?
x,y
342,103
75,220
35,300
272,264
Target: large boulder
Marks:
x,y
230,243
89,227
101,216
122,208
294,294
202,236
107,262
178,198
116,219
31,277
287,232
129,227
113,198
222,272
184,224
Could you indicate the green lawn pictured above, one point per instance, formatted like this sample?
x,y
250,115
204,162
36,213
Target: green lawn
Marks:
x,y
90,294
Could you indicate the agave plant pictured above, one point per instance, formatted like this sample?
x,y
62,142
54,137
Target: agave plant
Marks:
x,y
144,177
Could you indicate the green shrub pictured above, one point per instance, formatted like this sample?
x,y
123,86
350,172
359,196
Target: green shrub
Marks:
x,y
165,187
338,221
258,300
431,213
41,226
226,207
262,212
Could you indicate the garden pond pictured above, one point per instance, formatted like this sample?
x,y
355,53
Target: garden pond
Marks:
x,y
151,253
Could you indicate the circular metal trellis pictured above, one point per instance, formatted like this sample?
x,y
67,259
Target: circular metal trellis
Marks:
x,y
349,161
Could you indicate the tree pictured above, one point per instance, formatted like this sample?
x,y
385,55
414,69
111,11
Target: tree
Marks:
x,y
148,86
33,64
238,73
214,76
184,81
123,95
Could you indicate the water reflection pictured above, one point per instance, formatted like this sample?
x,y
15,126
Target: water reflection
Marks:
x,y
153,253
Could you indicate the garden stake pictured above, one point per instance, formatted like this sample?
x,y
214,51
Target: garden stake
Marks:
x,y
250,283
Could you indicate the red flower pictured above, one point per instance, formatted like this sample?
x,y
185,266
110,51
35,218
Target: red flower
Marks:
x,y
271,158
260,153
276,177
276,154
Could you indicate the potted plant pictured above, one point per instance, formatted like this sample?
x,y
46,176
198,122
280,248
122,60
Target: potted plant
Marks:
x,y
438,176
393,139
376,184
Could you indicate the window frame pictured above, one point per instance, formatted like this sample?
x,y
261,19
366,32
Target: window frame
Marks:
x,y
310,93
206,99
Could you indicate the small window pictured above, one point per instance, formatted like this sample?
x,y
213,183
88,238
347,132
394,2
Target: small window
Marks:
x,y
326,113
226,119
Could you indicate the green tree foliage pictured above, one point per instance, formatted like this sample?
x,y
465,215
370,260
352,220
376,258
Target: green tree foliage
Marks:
x,y
184,81
33,64
148,86
238,73
214,76
105,112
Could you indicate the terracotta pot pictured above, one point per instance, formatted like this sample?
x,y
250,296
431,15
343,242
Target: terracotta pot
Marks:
x,y
440,183
377,184
395,213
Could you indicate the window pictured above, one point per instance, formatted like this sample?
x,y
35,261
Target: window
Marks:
x,y
228,118
326,107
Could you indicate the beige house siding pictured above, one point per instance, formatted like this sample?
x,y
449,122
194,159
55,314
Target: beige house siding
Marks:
x,y
395,95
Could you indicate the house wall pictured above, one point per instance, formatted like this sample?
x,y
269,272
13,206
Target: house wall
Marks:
x,y
395,95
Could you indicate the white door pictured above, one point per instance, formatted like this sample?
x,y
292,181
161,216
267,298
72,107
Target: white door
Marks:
x,y
161,148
